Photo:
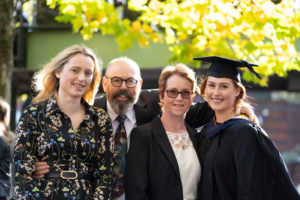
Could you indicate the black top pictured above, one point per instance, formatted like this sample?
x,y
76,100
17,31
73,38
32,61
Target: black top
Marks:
x,y
226,68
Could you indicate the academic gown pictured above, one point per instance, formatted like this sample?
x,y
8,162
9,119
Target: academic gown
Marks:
x,y
241,162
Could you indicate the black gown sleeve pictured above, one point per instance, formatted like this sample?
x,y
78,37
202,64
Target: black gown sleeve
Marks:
x,y
261,172
199,114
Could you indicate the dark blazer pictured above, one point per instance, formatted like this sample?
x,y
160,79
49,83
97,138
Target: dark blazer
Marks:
x,y
152,170
147,108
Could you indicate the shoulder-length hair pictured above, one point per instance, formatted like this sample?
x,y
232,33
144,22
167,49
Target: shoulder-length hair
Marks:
x,y
46,84
179,69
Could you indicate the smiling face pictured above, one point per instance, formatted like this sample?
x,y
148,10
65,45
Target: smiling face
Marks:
x,y
176,107
122,98
221,94
76,76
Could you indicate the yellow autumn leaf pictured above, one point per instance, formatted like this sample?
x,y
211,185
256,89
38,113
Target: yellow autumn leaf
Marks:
x,y
136,26
147,28
182,36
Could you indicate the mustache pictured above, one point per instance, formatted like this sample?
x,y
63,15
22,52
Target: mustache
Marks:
x,y
124,93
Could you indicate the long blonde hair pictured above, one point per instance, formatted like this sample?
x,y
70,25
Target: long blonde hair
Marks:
x,y
4,121
46,84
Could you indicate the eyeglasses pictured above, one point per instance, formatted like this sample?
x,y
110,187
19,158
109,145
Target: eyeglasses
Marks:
x,y
184,93
117,81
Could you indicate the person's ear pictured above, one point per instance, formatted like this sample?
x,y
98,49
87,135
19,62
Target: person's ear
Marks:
x,y
141,82
104,83
238,92
57,73
161,98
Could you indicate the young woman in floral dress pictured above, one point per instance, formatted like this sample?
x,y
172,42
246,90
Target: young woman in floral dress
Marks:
x,y
61,128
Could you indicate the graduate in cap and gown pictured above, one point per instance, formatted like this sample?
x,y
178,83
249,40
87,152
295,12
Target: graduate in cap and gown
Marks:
x,y
239,160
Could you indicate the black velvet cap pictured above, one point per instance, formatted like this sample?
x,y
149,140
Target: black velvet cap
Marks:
x,y
226,68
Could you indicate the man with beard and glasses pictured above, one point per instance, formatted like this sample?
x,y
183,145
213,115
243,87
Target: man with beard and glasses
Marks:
x,y
122,85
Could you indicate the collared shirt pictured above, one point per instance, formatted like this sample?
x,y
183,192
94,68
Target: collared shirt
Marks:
x,y
129,123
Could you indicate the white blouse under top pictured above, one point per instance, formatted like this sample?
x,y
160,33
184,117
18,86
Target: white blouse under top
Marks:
x,y
188,162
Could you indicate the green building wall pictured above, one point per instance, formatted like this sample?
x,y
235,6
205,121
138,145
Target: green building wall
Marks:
x,y
43,45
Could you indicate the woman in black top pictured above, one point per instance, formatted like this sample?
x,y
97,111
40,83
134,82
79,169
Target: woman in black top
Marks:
x,y
162,161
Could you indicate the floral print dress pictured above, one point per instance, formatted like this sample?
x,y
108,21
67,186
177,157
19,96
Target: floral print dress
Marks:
x,y
45,132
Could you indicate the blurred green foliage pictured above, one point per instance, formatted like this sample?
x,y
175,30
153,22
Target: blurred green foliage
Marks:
x,y
258,30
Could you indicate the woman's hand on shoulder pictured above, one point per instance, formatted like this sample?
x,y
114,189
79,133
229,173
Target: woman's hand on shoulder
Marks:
x,y
248,110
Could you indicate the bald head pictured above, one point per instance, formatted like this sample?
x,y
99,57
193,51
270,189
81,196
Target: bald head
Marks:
x,y
122,97
124,66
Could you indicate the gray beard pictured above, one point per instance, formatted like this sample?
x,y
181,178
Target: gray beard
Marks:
x,y
121,108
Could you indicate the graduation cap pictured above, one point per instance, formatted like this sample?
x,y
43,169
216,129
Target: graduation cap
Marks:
x,y
226,68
